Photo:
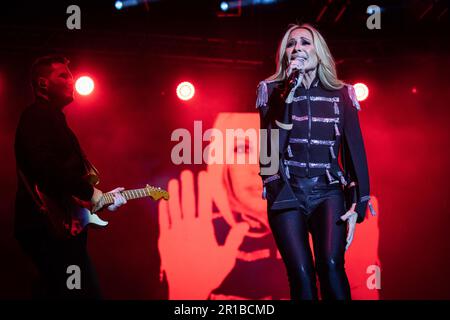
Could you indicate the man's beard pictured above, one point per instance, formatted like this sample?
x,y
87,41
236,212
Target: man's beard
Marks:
x,y
61,100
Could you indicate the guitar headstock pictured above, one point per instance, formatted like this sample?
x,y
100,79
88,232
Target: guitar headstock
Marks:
x,y
157,193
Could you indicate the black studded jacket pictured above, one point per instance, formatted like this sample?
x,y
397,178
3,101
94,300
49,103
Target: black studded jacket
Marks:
x,y
319,133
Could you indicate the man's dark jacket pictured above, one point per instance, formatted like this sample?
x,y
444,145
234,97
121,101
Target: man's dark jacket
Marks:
x,y
49,156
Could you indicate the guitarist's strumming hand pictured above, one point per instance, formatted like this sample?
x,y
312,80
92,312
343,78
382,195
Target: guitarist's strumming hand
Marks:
x,y
119,200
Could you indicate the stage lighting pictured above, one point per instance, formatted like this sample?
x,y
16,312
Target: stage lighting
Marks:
x,y
256,2
84,85
129,3
185,91
233,8
118,5
224,6
362,91
229,8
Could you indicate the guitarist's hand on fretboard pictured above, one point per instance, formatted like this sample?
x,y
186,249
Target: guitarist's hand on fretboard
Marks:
x,y
119,200
74,215
99,200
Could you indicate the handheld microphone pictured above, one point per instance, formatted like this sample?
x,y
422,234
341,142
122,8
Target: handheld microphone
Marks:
x,y
294,76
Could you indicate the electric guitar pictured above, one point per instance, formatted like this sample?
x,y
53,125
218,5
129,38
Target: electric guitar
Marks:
x,y
69,216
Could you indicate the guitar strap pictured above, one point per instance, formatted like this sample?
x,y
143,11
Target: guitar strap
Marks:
x,y
92,174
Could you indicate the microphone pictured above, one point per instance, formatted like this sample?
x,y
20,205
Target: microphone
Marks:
x,y
294,76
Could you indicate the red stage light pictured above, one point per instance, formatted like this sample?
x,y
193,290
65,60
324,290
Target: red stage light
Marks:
x,y
414,90
84,85
361,90
185,91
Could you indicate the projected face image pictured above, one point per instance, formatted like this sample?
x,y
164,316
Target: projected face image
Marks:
x,y
241,181
245,183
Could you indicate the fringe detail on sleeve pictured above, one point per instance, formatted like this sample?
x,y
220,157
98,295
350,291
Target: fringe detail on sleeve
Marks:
x,y
333,155
372,210
336,130
262,95
352,95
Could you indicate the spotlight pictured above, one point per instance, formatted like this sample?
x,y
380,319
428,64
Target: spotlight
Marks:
x,y
230,8
185,91
84,85
118,5
362,91
224,6
130,3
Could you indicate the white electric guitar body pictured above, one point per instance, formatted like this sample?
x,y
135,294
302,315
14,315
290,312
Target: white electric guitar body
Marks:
x,y
70,216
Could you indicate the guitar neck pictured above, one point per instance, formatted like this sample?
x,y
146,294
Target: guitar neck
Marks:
x,y
127,194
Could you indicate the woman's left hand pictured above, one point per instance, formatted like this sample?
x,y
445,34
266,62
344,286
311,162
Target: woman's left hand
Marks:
x,y
350,216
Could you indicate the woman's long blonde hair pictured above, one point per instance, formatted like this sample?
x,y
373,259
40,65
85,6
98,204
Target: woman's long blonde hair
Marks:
x,y
326,68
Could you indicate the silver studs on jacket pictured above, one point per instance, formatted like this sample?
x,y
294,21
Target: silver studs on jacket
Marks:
x,y
331,180
336,108
352,95
289,150
288,175
333,155
336,130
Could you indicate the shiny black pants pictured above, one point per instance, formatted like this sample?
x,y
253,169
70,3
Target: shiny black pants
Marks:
x,y
321,205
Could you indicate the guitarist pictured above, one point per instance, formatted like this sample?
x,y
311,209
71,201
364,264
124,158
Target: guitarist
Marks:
x,y
49,157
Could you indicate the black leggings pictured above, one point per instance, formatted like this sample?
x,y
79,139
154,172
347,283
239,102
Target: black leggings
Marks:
x,y
321,205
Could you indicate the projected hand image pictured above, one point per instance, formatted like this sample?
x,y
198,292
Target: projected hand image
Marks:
x,y
192,259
